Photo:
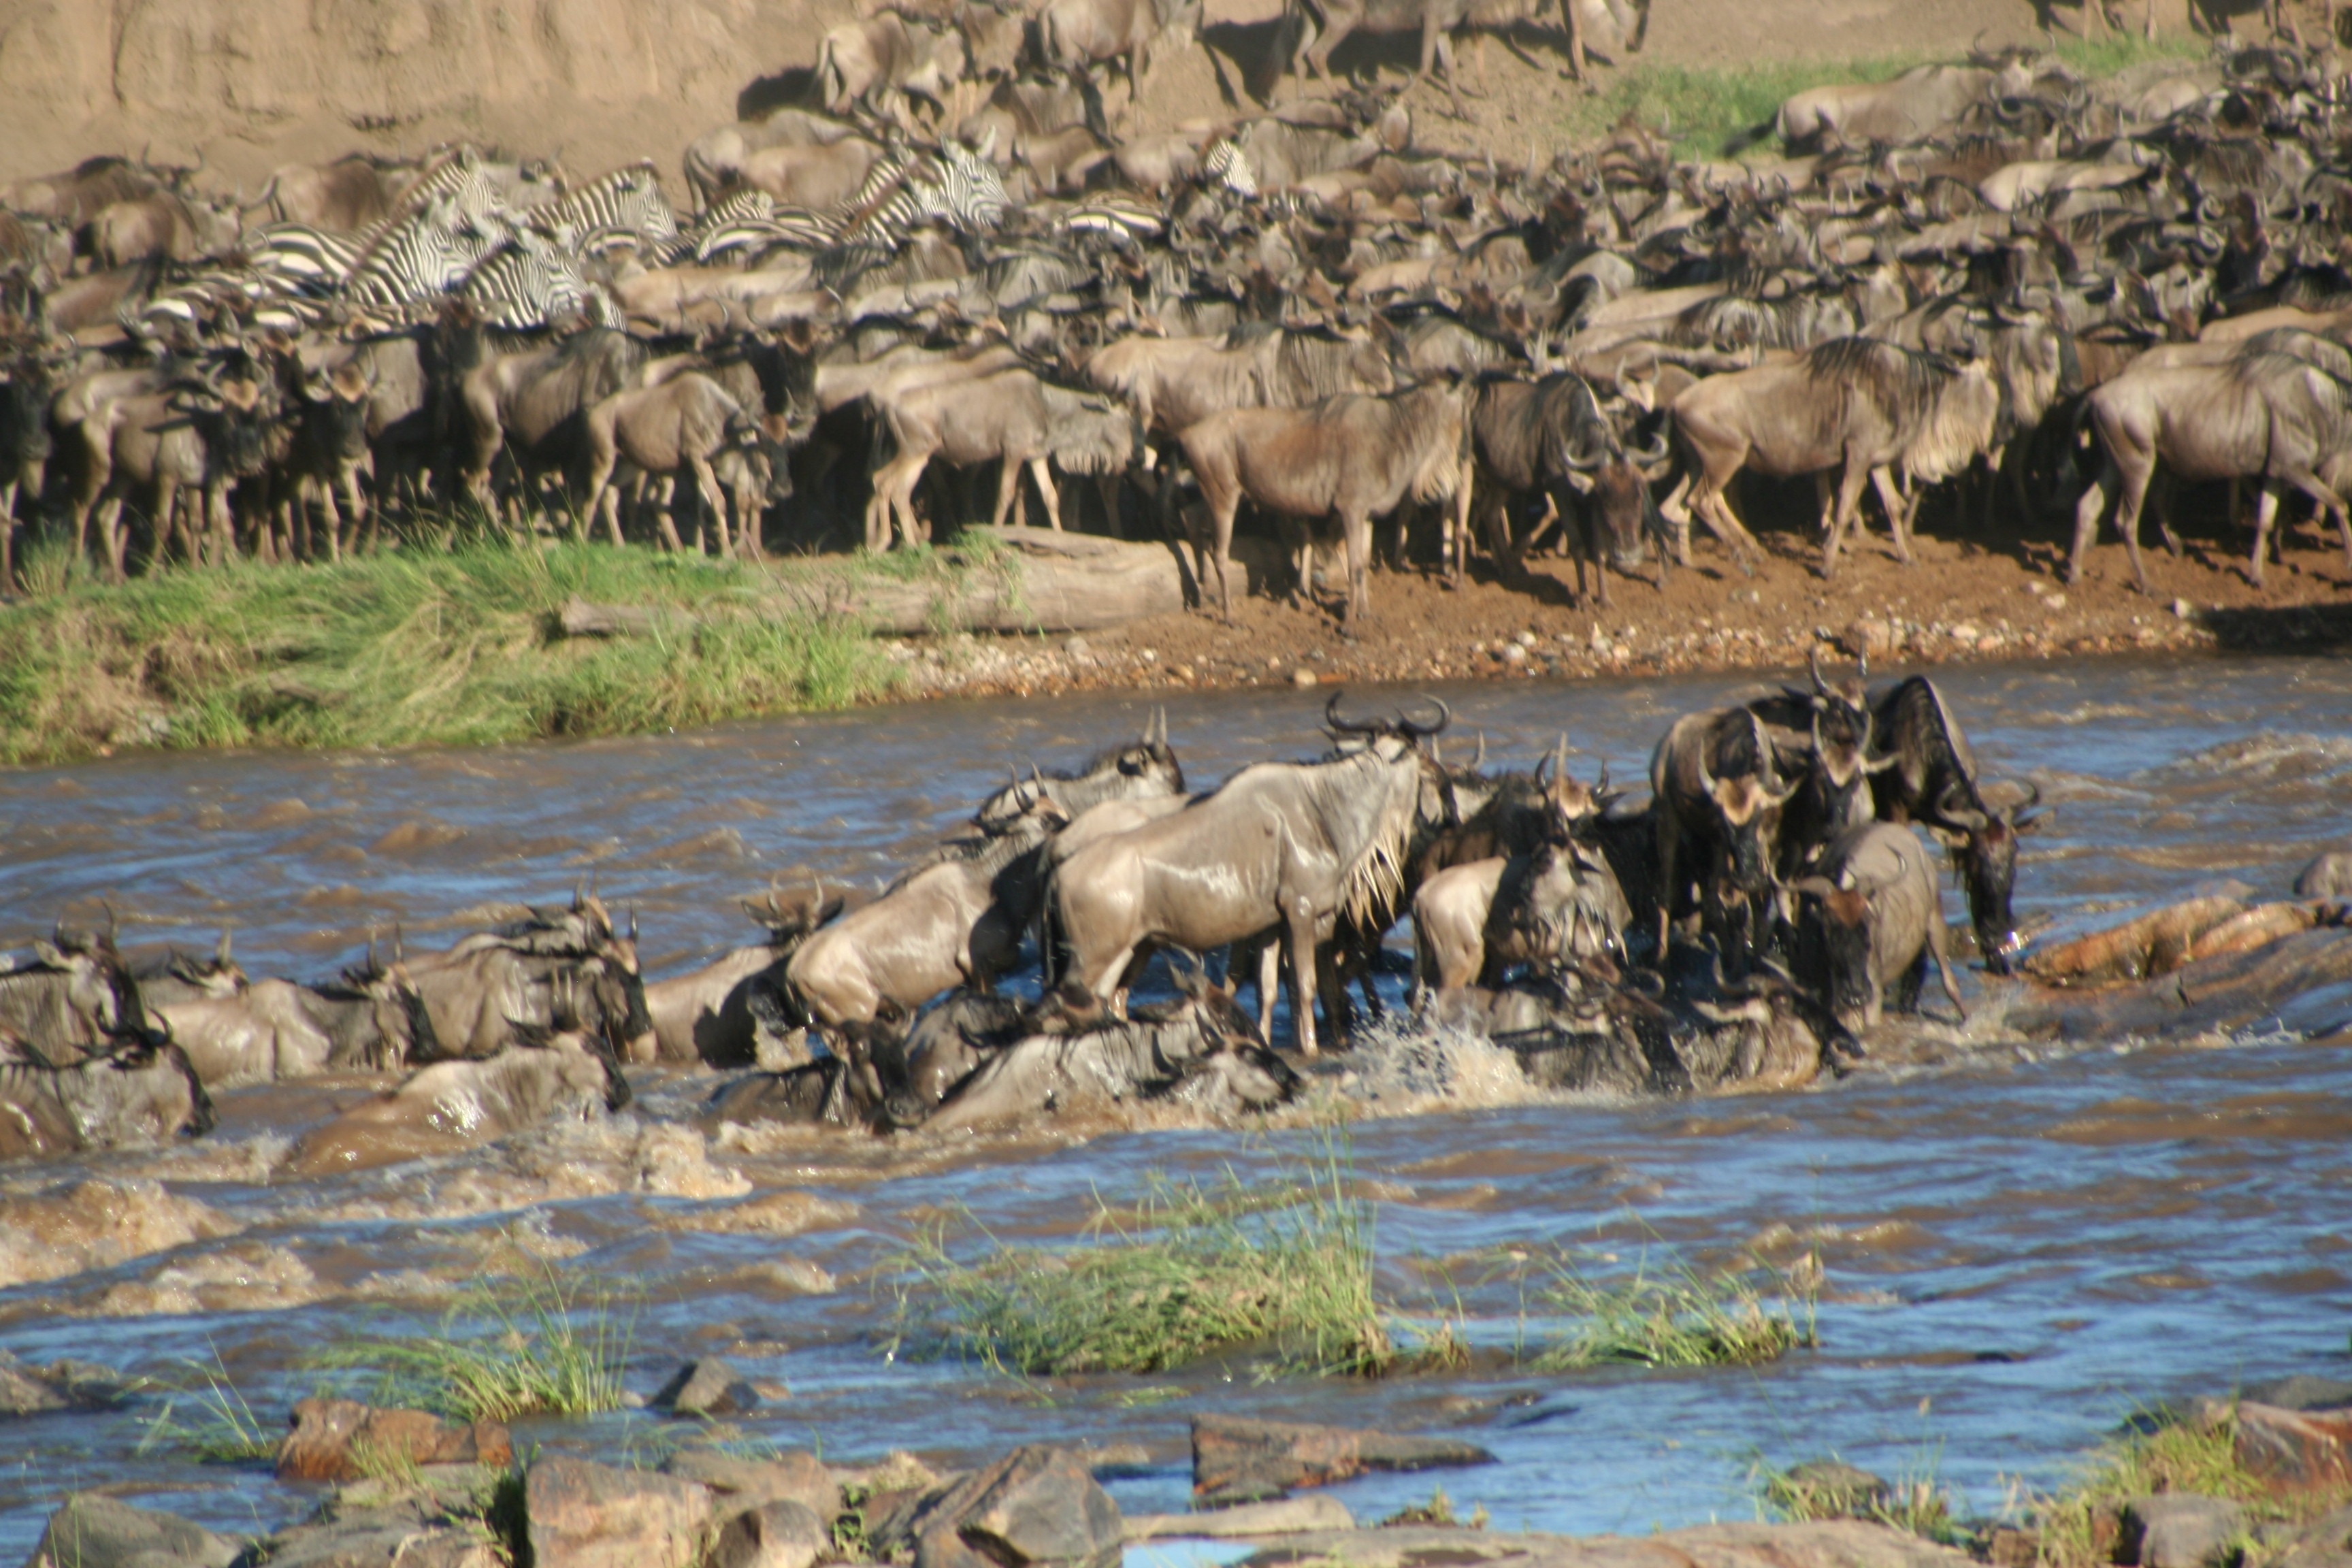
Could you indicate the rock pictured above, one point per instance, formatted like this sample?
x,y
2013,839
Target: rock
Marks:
x,y
2329,876
2179,1530
2181,609
330,1439
2302,1390
2323,1543
1867,637
1036,1505
1829,1543
752,1483
1240,1460
585,1515
1117,1460
781,1534
371,1541
30,1390
1513,655
1834,1487
90,1531
1291,1516
2295,1447
1303,676
706,1388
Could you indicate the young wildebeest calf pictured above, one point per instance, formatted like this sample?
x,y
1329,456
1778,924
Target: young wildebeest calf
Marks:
x,y
1348,458
1011,416
691,422
1872,918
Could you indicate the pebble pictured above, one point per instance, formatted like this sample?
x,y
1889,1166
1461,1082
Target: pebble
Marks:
x,y
1514,655
2055,601
1303,675
2180,609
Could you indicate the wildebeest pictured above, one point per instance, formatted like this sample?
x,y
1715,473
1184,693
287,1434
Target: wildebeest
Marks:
x,y
330,446
864,63
355,192
1310,47
1349,458
1932,780
1174,383
1288,846
958,920
1716,790
1852,402
24,447
531,401
1145,768
452,1105
1549,437
708,1016
2268,414
1907,109
1823,738
1011,417
1871,917
1560,904
552,969
687,422
1073,36
71,995
136,1092
372,1018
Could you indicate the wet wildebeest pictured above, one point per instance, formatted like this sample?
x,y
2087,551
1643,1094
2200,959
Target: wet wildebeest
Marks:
x,y
536,973
372,1018
1716,792
1550,438
1349,458
71,995
1144,769
1932,780
451,1106
1821,738
958,920
1854,403
1871,917
2274,416
1557,904
1280,846
173,976
135,1091
708,1015
1199,1048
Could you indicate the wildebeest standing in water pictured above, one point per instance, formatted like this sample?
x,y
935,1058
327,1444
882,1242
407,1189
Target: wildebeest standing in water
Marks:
x,y
1872,918
136,1092
71,994
1717,793
552,969
1932,780
1144,769
714,1015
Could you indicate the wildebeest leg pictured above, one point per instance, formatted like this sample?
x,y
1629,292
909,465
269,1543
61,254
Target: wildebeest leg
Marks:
x,y
1898,512
1715,509
1041,471
1433,41
1849,502
2086,516
1300,917
1944,964
2127,508
2166,489
1576,64
1221,522
714,500
1356,538
1667,835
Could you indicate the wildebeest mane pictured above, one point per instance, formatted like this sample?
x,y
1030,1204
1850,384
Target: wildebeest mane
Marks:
x,y
1904,382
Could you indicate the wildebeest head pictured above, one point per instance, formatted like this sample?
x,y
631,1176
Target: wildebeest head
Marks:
x,y
25,439
1750,807
1983,846
157,1084
100,986
1842,926
234,412
400,1023
790,917
336,412
1145,768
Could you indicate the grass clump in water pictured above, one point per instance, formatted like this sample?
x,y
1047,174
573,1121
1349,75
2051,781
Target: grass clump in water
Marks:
x,y
207,1418
528,1347
1679,1315
1917,1503
412,646
1189,1272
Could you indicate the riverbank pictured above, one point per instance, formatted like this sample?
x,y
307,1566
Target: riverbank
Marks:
x,y
471,647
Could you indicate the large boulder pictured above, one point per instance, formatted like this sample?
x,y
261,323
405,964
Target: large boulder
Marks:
x,y
740,1483
585,1515
90,1530
1240,1460
339,1439
2295,1447
1037,1505
780,1535
2181,1529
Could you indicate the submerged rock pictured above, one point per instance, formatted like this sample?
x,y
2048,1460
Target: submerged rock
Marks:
x,y
340,1439
1239,1461
706,1387
91,1531
2329,876
30,1390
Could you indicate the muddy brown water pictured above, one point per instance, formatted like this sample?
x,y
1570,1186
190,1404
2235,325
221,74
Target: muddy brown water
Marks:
x,y
2023,1248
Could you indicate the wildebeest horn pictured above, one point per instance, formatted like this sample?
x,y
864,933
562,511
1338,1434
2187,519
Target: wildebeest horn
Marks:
x,y
1338,726
372,959
220,954
1655,453
1600,785
399,945
1813,664
632,923
578,887
113,926
1421,732
1862,665
1560,756
1479,760
1964,816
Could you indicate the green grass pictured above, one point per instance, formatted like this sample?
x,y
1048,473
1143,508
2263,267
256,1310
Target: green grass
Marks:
x,y
525,1347
1703,109
1675,1315
415,646
1916,1502
1189,1272
207,1418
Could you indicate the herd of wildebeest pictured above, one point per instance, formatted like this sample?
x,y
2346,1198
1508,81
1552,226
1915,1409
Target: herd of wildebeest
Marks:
x,y
1742,928
1995,274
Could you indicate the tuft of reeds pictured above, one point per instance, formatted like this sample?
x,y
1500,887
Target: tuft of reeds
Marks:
x,y
412,646
1917,1502
1676,1315
1188,1272
206,1417
528,1346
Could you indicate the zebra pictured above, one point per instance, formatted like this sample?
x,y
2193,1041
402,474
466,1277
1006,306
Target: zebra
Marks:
x,y
425,255
527,281
304,260
956,185
462,178
626,199
1224,165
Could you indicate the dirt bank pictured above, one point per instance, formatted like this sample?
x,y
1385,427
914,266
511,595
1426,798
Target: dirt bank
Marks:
x,y
1999,596
247,85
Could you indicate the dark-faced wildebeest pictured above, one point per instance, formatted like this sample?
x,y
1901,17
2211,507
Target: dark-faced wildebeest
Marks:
x,y
1349,458
1717,793
1280,846
1871,917
1144,769
1931,779
1821,738
1549,437
372,1018
552,969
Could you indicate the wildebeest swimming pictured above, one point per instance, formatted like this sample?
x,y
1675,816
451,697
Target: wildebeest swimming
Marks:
x,y
1748,926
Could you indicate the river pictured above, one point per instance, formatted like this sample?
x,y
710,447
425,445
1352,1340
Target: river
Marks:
x,y
2021,1247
